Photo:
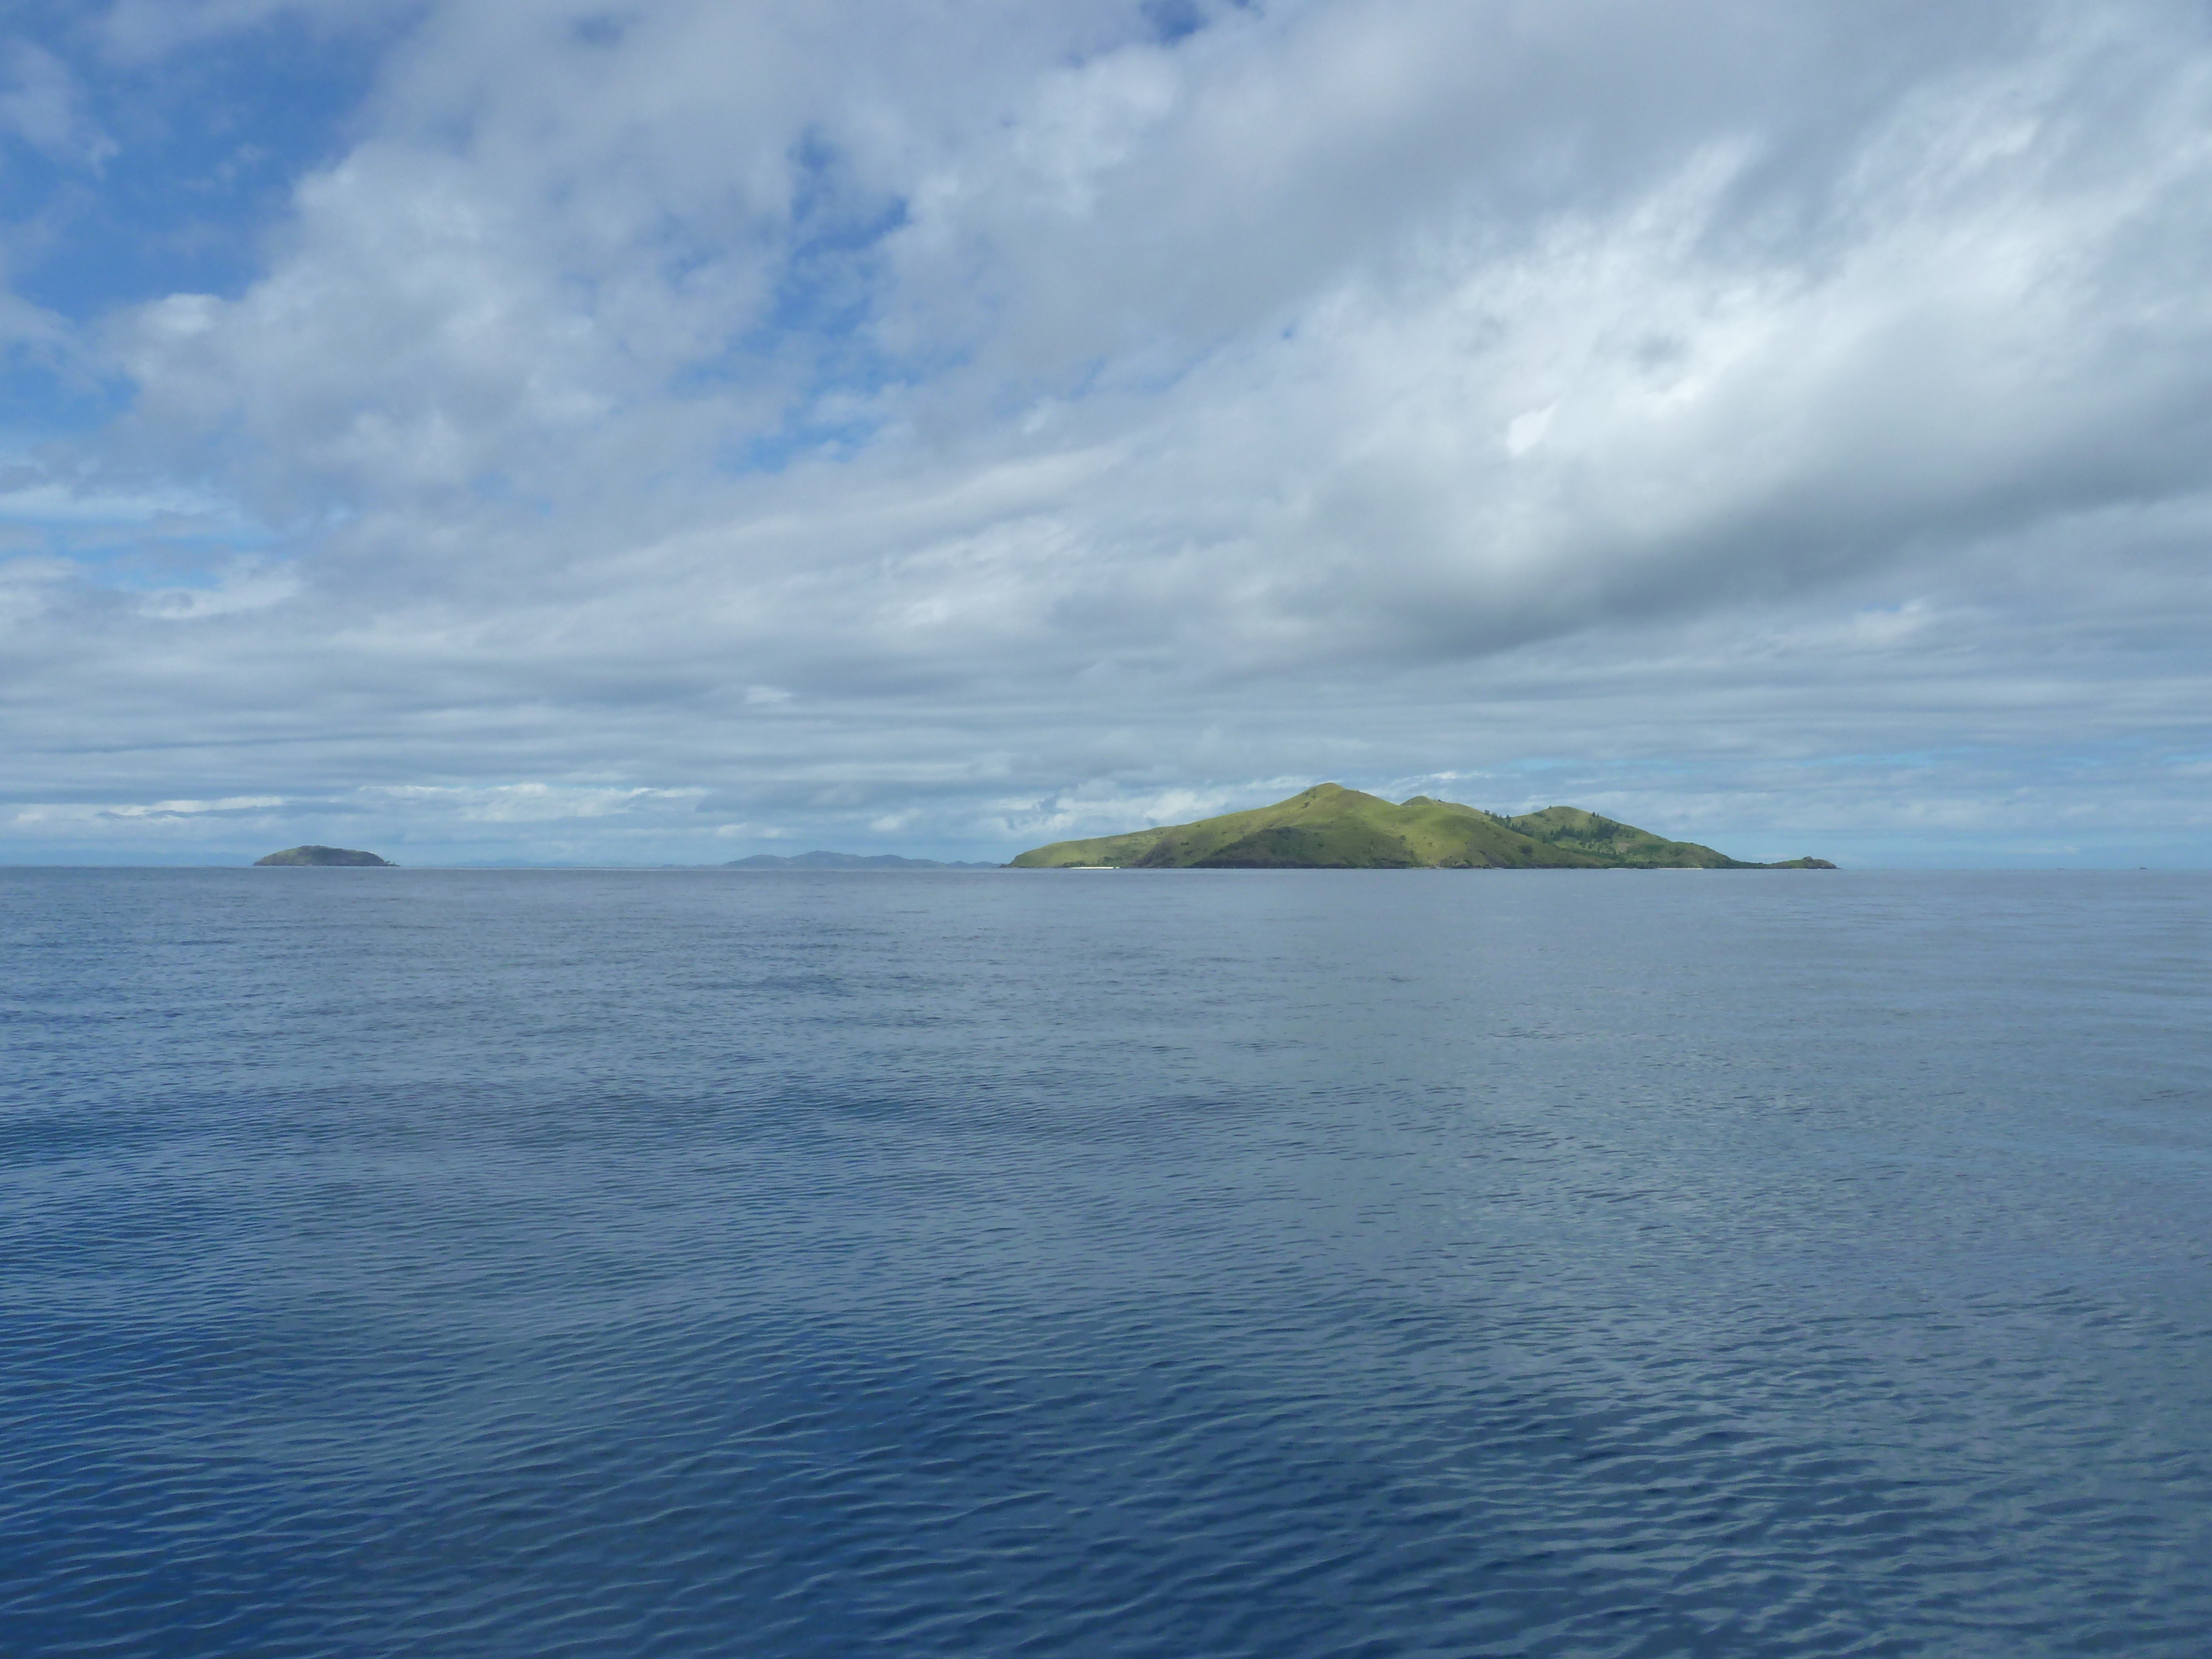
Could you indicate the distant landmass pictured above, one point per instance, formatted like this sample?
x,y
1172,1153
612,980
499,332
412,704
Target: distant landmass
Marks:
x,y
1329,827
326,855
845,861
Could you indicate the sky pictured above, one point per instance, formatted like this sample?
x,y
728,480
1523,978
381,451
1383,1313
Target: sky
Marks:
x,y
524,431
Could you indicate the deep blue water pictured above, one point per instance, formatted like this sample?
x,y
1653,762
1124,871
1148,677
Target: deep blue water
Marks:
x,y
1188,1264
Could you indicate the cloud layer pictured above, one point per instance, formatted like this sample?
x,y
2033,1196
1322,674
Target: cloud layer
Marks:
x,y
656,432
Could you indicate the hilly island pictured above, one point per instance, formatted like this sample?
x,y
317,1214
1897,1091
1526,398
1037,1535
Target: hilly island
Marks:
x,y
324,858
1329,827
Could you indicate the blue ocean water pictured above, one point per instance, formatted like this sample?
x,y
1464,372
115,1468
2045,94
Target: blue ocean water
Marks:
x,y
1239,1263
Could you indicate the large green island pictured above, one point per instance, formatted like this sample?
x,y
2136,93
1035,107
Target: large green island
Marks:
x,y
1329,827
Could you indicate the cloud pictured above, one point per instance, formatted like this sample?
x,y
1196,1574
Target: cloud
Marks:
x,y
977,420
532,803
236,806
137,32
42,105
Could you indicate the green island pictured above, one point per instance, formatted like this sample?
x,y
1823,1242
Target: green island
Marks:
x,y
1329,827
327,857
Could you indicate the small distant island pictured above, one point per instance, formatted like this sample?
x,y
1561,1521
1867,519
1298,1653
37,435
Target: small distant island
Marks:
x,y
325,856
1329,827
845,861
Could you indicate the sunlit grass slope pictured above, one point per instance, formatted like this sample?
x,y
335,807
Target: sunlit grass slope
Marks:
x,y
1329,827
1573,829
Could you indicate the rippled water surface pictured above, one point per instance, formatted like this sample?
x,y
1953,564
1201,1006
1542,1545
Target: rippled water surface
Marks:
x,y
1183,1264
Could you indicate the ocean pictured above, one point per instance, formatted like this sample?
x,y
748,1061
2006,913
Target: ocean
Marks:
x,y
1180,1264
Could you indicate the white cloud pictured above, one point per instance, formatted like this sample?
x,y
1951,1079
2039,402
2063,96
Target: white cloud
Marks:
x,y
981,422
40,104
529,803
50,501
242,585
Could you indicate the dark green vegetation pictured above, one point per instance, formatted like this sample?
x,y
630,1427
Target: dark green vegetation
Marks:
x,y
1329,827
324,856
845,861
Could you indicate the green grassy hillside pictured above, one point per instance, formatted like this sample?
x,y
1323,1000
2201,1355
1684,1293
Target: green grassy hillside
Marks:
x,y
1329,827
1571,828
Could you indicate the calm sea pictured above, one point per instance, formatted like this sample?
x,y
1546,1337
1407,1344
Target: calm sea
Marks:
x,y
1177,1265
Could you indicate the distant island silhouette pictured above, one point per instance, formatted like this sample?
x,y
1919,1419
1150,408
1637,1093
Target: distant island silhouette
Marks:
x,y
325,856
1329,827
845,861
